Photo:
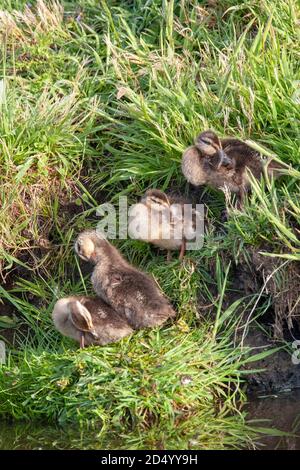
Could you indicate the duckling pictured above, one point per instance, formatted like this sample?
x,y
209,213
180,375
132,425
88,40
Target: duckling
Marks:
x,y
223,163
163,221
89,321
131,293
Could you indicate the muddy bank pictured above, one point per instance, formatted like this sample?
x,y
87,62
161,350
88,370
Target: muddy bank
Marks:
x,y
277,278
278,281
278,373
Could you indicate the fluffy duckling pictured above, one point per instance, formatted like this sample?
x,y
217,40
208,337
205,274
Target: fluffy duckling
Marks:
x,y
89,321
163,221
130,292
223,163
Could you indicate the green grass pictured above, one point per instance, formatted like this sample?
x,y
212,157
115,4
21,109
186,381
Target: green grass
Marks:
x,y
99,100
134,393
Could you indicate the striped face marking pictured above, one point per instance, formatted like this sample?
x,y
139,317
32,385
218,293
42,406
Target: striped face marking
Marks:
x,y
156,200
208,143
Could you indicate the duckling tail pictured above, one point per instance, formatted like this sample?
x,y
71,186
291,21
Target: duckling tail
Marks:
x,y
275,168
166,311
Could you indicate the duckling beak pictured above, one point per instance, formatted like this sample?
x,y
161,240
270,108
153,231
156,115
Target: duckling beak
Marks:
x,y
94,334
224,159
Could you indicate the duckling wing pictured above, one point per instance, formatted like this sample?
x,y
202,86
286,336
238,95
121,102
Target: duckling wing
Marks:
x,y
140,300
97,308
192,167
146,224
178,219
155,307
109,327
243,156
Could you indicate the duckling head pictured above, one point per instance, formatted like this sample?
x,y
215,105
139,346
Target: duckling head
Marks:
x,y
88,245
81,318
155,199
210,146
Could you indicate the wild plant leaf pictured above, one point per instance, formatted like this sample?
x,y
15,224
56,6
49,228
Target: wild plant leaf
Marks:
x,y
274,432
7,322
292,257
262,355
229,311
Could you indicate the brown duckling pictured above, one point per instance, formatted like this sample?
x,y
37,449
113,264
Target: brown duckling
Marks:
x,y
223,163
131,293
89,321
163,221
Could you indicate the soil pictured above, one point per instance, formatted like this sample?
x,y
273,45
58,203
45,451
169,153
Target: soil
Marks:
x,y
70,206
8,334
279,279
279,374
277,327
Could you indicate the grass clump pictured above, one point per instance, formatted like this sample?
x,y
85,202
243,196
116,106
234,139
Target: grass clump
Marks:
x,y
159,379
43,146
137,392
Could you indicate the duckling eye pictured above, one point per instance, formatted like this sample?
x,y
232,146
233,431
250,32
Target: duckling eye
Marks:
x,y
153,199
210,143
207,142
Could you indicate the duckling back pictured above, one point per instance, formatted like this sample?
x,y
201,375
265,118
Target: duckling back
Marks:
x,y
109,325
192,168
243,156
133,295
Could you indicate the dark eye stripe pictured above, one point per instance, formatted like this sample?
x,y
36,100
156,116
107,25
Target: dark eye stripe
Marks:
x,y
211,144
207,142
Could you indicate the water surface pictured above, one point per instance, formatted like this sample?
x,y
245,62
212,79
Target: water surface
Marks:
x,y
279,412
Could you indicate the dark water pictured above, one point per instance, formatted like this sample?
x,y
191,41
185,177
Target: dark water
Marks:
x,y
282,412
278,411
26,436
